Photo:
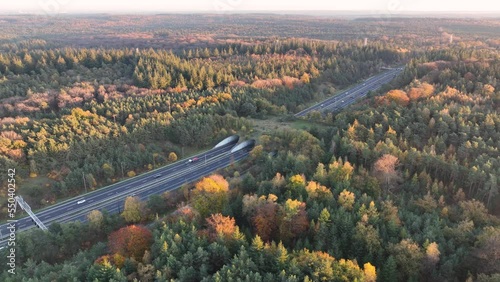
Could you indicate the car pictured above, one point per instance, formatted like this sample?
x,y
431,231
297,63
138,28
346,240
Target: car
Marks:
x,y
342,101
364,83
158,175
322,105
193,160
81,201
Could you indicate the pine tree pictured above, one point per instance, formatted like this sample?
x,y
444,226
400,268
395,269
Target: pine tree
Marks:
x,y
389,270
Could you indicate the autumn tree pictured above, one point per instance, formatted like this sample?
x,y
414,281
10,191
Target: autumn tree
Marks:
x,y
210,195
385,170
265,220
296,185
95,218
305,78
319,265
130,241
431,257
370,272
293,219
265,214
346,199
132,211
423,90
475,211
318,191
172,157
224,227
398,96
340,171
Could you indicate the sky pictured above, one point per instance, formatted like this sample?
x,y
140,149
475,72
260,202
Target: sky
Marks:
x,y
165,6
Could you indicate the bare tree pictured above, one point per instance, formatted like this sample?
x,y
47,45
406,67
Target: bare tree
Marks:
x,y
385,170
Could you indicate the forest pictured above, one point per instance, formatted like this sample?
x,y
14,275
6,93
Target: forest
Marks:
x,y
401,186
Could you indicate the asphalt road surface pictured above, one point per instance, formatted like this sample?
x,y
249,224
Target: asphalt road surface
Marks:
x,y
112,198
349,96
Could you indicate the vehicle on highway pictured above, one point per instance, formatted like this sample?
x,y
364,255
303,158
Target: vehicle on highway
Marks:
x,y
158,175
192,160
81,201
342,101
322,105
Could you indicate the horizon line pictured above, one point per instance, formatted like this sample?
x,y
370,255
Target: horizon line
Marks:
x,y
33,11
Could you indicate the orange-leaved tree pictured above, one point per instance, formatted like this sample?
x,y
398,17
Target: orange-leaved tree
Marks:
x,y
398,96
130,241
220,226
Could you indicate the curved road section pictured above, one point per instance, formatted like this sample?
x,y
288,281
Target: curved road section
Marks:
x,y
349,96
112,198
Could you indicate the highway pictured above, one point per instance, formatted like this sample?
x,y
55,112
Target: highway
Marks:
x,y
349,96
112,198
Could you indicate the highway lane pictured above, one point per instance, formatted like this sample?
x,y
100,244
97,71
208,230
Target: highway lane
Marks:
x,y
155,187
118,189
173,183
349,96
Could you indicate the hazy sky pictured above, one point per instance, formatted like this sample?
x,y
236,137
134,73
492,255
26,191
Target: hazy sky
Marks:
x,y
373,6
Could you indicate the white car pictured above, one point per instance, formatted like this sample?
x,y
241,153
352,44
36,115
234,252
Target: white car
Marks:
x,y
193,160
81,201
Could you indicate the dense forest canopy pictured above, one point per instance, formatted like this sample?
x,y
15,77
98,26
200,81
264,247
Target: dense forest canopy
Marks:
x,y
401,186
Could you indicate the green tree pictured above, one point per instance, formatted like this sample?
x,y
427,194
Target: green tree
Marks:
x,y
108,170
408,257
132,211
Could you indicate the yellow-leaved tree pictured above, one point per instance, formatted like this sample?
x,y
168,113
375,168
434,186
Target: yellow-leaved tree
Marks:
x,y
210,195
